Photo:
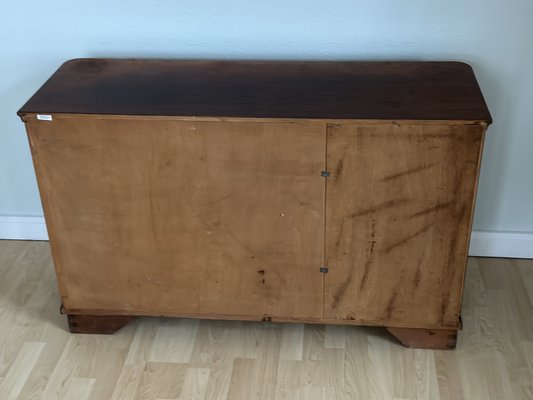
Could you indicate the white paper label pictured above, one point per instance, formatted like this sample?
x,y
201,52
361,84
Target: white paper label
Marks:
x,y
44,117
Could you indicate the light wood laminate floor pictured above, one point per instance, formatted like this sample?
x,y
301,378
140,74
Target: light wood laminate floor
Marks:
x,y
189,359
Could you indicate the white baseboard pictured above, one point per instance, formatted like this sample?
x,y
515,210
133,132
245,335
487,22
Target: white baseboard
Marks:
x,y
482,243
23,227
501,244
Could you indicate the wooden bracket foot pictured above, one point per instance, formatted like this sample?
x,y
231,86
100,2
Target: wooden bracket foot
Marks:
x,y
437,339
97,324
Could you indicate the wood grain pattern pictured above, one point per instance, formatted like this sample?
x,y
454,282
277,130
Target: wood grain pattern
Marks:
x,y
399,209
126,188
264,89
158,217
13,382
40,360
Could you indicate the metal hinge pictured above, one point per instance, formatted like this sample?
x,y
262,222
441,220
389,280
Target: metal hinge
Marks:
x,y
324,269
324,173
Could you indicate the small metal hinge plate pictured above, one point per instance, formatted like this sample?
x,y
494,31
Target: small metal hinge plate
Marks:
x,y
324,173
324,269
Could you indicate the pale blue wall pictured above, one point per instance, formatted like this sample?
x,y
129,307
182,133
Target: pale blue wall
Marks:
x,y
495,36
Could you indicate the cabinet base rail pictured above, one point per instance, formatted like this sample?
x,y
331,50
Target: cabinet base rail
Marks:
x,y
437,339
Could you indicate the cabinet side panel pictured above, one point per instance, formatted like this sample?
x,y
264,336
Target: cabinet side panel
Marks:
x,y
399,209
162,217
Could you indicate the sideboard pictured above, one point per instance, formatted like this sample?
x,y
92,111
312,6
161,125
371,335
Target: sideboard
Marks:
x,y
316,192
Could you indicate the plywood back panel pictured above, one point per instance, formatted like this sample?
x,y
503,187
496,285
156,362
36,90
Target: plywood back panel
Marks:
x,y
399,209
166,217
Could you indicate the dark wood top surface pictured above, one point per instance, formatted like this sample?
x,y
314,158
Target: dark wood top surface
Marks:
x,y
259,89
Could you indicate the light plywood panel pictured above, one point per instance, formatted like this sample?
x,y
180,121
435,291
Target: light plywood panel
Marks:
x,y
399,209
162,217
